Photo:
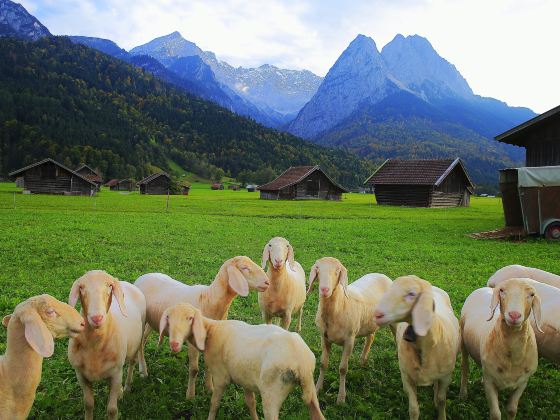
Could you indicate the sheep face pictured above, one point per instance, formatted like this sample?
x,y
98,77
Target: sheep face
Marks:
x,y
96,290
244,275
182,322
45,318
409,299
331,273
277,251
517,299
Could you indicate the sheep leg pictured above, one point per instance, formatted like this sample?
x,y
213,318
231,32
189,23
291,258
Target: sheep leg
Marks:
x,y
251,404
367,346
142,367
267,317
115,392
287,320
272,402
410,389
464,371
440,396
130,374
326,350
492,397
87,390
298,328
343,369
208,382
514,401
194,355
216,398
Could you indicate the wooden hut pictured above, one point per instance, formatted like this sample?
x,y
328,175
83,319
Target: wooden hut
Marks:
x,y
112,184
155,184
233,187
540,136
302,183
217,186
91,174
51,177
251,188
422,183
125,185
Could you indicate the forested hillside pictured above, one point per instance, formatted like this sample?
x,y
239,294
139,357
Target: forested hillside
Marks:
x,y
74,104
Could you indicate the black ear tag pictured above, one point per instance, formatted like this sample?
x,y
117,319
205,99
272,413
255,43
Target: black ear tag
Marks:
x,y
409,334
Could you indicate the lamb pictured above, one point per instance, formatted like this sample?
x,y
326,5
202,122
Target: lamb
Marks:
x,y
427,334
31,329
235,277
505,345
519,271
344,313
548,343
260,358
286,294
112,336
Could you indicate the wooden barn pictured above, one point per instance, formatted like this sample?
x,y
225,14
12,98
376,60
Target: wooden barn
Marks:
x,y
155,184
112,184
124,185
91,174
51,177
422,183
540,136
302,183
217,186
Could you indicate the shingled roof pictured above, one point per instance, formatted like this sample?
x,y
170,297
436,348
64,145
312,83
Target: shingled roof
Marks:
x,y
151,177
19,171
429,172
293,175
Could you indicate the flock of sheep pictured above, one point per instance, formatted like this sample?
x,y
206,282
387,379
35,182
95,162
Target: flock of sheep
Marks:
x,y
117,318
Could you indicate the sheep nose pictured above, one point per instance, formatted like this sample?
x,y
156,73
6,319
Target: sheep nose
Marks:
x,y
83,323
278,262
97,319
174,345
266,283
378,314
514,315
325,290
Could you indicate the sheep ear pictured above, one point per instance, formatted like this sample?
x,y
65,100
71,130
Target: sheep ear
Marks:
x,y
536,307
423,312
37,334
291,255
237,281
199,332
312,276
74,294
494,303
119,295
6,320
265,256
343,279
162,327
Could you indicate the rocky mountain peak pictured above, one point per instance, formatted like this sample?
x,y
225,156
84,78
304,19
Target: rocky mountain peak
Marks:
x,y
16,22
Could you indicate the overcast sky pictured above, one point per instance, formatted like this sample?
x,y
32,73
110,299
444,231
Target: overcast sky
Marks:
x,y
505,49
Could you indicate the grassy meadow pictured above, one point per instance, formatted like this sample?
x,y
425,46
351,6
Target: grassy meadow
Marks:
x,y
49,241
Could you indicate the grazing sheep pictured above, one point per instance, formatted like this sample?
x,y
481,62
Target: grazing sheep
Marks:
x,y
112,336
427,334
519,271
260,358
286,294
236,277
505,345
344,313
548,342
31,329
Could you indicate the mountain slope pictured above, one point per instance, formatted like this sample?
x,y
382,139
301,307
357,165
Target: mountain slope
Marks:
x,y
16,22
73,104
104,45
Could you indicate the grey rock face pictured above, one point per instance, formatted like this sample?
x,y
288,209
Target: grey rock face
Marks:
x,y
16,22
166,49
104,45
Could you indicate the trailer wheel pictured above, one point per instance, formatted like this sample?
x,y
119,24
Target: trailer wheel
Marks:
x,y
552,231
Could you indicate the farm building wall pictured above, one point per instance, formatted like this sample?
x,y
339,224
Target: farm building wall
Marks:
x,y
403,195
543,143
314,187
452,192
49,178
158,186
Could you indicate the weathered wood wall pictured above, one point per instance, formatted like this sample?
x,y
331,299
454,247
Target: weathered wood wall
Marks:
x,y
158,186
315,187
543,143
49,178
403,195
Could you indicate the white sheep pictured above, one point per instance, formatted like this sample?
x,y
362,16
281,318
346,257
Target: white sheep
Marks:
x,y
31,329
236,277
260,358
115,312
427,334
520,271
504,345
344,313
286,294
548,342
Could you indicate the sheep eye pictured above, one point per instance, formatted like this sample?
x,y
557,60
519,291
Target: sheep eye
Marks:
x,y
501,290
532,295
51,312
270,245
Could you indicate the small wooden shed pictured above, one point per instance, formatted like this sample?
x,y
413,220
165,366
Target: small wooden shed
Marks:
x,y
302,183
540,136
50,177
155,184
112,184
88,172
217,186
422,183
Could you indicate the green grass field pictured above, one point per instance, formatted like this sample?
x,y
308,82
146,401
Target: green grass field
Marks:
x,y
49,241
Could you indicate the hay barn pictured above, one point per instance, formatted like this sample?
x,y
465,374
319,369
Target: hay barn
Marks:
x,y
302,183
51,177
88,172
155,184
422,183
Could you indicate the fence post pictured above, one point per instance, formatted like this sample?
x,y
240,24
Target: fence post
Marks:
x,y
167,202
14,199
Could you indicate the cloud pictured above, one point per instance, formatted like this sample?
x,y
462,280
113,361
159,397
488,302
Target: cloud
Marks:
x,y
504,48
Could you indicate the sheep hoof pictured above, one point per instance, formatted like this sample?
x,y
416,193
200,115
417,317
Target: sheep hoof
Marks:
x,y
190,394
341,399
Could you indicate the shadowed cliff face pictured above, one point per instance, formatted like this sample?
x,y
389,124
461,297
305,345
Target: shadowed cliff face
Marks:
x,y
16,22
